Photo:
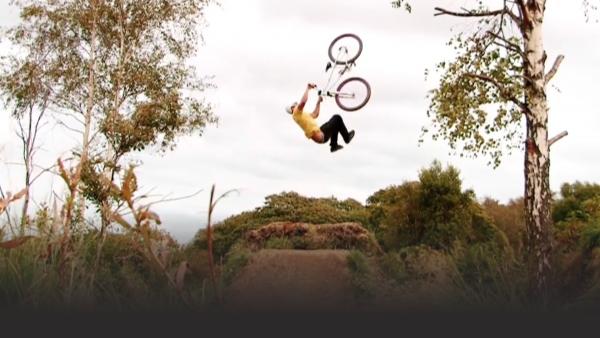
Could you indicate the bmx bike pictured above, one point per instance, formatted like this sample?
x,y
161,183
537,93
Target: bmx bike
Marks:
x,y
352,93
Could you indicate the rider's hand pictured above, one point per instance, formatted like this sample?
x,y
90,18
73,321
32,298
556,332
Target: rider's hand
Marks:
x,y
320,99
312,86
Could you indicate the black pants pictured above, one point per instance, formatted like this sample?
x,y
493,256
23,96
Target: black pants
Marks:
x,y
331,129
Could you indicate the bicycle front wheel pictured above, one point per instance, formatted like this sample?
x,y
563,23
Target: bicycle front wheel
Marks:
x,y
353,94
346,48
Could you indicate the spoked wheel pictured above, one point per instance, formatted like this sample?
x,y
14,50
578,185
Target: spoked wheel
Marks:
x,y
346,48
353,94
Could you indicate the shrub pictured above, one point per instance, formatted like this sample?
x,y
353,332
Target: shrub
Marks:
x,y
361,276
347,236
434,211
393,266
288,207
236,259
279,243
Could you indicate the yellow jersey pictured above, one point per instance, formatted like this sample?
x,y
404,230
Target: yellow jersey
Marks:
x,y
306,122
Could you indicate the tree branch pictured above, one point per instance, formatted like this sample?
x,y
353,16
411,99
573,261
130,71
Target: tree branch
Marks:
x,y
524,12
514,17
509,45
554,69
500,89
467,13
557,138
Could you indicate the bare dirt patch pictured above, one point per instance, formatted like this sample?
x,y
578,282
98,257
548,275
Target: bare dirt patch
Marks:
x,y
293,280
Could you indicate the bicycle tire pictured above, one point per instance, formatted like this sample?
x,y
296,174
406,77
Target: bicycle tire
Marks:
x,y
361,101
350,60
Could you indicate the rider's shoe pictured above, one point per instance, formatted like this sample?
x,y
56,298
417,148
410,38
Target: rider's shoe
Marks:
x,y
350,136
336,148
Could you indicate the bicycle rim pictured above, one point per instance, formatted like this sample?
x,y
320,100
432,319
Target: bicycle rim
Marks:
x,y
353,94
353,48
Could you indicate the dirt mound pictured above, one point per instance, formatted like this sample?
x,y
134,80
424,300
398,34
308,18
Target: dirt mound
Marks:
x,y
298,280
347,236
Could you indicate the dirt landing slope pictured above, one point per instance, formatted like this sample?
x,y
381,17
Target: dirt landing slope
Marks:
x,y
296,280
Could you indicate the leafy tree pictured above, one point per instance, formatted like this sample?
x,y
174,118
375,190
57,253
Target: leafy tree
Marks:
x,y
433,212
578,201
501,67
394,215
509,218
116,71
577,216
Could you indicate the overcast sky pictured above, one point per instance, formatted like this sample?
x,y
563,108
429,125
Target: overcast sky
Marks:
x,y
263,52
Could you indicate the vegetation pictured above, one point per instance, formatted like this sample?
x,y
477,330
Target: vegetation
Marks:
x,y
432,238
434,211
116,72
362,275
283,207
496,83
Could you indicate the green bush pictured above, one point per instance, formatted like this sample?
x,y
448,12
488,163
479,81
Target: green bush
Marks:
x,y
490,275
590,237
236,259
288,207
433,212
280,243
361,276
393,267
578,201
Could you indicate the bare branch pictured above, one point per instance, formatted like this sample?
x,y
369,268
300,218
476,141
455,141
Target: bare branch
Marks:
x,y
554,69
64,125
467,13
508,44
44,170
557,138
524,12
173,199
514,17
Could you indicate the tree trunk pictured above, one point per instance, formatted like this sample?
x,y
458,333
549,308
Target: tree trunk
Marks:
x,y
537,155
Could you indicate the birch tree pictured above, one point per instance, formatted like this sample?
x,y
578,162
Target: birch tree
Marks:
x,y
497,83
29,95
117,72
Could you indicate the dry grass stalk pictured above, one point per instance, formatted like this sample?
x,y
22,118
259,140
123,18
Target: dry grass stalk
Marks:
x,y
4,203
209,238
141,226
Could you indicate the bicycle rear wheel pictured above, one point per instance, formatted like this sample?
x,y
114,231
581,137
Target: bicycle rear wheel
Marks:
x,y
353,94
346,48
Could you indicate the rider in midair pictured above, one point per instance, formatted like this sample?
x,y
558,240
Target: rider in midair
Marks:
x,y
328,131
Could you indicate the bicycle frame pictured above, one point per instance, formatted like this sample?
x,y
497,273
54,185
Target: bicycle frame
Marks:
x,y
342,68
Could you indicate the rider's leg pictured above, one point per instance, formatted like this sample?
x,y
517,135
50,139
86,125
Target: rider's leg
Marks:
x,y
330,131
340,127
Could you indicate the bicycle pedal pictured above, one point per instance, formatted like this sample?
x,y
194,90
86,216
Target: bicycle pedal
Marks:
x,y
328,66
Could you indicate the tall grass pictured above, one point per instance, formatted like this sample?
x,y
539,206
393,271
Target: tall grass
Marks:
x,y
361,276
69,264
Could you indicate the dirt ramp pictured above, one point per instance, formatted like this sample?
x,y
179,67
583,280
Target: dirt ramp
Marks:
x,y
293,280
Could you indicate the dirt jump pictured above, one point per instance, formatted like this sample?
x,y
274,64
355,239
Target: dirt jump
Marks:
x,y
293,280
301,267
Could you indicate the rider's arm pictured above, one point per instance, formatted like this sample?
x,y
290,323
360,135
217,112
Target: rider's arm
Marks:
x,y
305,96
315,113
